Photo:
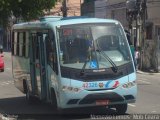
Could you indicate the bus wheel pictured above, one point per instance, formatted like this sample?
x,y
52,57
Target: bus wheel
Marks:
x,y
121,108
53,99
29,97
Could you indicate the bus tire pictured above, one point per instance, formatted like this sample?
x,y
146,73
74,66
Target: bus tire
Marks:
x,y
25,86
53,99
30,99
121,108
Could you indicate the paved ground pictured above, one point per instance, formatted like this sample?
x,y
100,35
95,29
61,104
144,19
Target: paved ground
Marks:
x,y
13,103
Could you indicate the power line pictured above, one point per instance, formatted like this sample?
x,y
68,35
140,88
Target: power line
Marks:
x,y
121,4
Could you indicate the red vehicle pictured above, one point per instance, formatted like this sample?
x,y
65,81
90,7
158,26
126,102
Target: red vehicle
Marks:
x,y
1,63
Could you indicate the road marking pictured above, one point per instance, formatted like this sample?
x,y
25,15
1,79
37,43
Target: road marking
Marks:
x,y
132,105
144,81
8,68
154,111
6,83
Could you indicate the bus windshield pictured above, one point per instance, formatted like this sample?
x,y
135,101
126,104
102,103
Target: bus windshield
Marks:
x,y
93,46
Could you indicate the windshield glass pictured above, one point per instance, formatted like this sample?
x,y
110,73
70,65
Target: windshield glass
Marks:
x,y
88,46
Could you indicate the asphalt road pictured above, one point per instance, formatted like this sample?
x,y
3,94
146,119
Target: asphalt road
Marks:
x,y
14,105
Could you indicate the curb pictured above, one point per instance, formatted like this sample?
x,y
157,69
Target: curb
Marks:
x,y
148,73
2,117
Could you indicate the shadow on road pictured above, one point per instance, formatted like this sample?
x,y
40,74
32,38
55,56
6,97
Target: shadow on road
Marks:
x,y
19,107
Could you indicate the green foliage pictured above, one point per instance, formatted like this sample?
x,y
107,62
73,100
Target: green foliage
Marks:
x,y
26,9
4,11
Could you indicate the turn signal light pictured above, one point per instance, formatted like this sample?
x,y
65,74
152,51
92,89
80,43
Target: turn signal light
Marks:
x,y
129,84
70,89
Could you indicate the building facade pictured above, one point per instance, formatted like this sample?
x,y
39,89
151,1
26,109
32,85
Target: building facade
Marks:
x,y
152,41
148,40
73,8
87,8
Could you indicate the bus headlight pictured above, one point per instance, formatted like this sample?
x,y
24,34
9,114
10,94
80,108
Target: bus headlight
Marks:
x,y
129,84
71,89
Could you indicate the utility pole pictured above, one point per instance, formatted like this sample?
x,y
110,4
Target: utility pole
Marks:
x,y
136,12
143,14
80,7
64,8
131,14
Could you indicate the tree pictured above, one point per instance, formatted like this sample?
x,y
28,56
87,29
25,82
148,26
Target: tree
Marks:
x,y
25,9
21,9
4,12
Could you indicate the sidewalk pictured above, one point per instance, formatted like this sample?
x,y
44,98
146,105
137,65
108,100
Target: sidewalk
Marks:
x,y
148,73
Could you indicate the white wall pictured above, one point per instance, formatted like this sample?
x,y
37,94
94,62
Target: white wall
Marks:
x,y
100,8
153,10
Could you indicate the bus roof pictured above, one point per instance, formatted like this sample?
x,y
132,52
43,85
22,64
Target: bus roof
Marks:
x,y
79,20
59,21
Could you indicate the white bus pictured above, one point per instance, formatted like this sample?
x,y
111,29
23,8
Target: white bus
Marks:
x,y
74,62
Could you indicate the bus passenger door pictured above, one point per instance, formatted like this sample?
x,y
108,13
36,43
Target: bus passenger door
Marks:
x,y
43,65
38,71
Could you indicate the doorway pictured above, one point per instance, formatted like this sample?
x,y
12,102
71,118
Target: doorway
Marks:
x,y
38,64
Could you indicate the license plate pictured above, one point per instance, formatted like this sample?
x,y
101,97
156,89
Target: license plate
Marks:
x,y
102,102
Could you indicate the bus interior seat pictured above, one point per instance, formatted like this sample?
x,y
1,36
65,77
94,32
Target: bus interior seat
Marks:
x,y
76,49
114,43
104,42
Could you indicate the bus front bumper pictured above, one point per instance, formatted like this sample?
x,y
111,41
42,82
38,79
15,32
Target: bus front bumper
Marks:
x,y
89,98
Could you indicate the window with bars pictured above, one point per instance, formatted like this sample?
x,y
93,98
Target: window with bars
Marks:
x,y
20,43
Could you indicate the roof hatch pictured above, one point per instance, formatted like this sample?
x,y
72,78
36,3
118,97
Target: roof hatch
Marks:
x,y
50,18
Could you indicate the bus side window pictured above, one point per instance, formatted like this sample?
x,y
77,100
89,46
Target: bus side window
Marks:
x,y
51,51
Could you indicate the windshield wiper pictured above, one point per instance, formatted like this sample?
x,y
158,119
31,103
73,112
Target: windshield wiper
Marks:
x,y
114,67
82,70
